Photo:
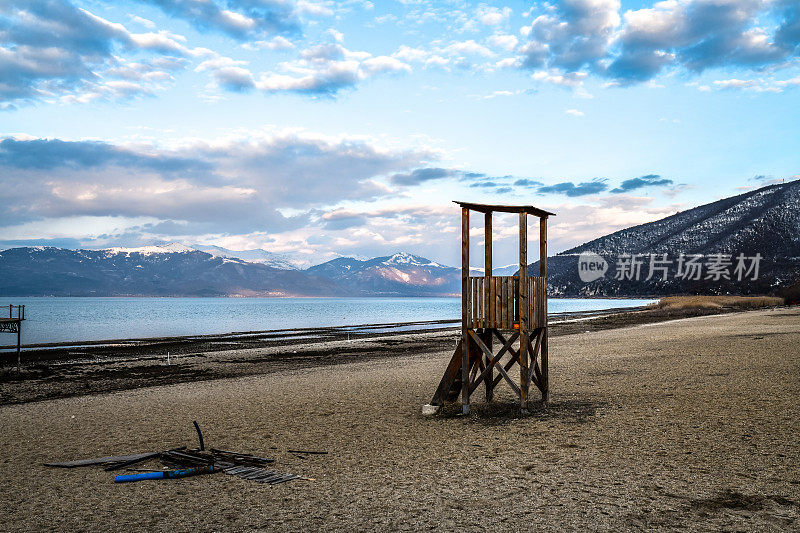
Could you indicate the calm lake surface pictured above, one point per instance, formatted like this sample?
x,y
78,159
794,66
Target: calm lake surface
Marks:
x,y
85,319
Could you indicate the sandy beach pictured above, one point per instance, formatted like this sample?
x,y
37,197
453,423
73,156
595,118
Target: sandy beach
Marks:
x,y
686,424
78,369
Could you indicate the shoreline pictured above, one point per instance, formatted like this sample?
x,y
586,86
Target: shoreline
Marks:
x,y
347,328
73,322
89,369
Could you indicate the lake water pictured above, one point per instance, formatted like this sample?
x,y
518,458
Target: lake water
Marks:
x,y
85,319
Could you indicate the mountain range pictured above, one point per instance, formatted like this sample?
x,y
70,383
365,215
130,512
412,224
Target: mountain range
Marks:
x,y
764,223
177,270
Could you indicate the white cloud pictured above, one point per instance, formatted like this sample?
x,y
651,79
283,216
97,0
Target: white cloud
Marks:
x,y
315,9
406,53
758,85
228,73
276,43
336,35
571,79
164,42
574,113
71,55
469,47
508,62
496,94
492,16
735,84
503,41
381,64
147,23
695,34
574,35
327,69
437,61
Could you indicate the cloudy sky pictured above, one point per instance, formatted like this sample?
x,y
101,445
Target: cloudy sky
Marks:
x,y
322,127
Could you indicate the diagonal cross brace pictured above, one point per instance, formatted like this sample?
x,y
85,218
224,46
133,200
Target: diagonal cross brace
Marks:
x,y
488,353
533,371
493,359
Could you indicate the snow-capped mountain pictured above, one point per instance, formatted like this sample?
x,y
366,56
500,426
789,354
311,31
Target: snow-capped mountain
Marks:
x,y
508,270
398,274
171,248
265,257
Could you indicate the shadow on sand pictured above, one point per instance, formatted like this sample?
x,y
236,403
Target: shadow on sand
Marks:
x,y
498,413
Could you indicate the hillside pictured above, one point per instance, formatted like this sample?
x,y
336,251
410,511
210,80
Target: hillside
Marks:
x,y
764,221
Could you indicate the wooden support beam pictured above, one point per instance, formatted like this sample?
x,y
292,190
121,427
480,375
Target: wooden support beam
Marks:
x,y
498,302
480,343
476,365
19,346
488,300
535,374
465,303
534,351
545,378
523,310
508,380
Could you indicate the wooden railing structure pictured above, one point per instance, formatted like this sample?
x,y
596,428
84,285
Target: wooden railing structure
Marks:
x,y
494,302
510,309
13,324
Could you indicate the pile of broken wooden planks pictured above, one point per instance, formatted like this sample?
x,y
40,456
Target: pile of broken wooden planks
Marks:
x,y
182,462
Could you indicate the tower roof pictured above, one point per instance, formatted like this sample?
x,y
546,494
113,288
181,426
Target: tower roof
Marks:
x,y
488,208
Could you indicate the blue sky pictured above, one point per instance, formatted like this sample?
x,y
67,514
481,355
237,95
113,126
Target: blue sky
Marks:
x,y
320,128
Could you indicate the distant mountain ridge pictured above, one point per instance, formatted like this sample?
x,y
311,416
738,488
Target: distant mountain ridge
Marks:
x,y
765,221
178,270
148,271
396,274
265,257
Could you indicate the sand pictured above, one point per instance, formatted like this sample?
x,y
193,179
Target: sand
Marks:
x,y
684,424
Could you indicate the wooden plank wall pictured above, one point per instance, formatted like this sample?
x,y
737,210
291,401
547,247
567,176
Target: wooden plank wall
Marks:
x,y
502,292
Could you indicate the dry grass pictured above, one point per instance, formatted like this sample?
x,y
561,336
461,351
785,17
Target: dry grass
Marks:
x,y
716,302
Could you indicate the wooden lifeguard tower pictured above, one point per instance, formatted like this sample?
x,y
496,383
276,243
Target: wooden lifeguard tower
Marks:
x,y
510,309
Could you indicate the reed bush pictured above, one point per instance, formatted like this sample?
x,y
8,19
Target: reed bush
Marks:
x,y
717,302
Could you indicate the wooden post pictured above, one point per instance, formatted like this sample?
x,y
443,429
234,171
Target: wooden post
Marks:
x,y
523,311
465,303
543,273
489,308
19,338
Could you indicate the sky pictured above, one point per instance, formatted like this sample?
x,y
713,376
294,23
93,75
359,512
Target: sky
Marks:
x,y
325,128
